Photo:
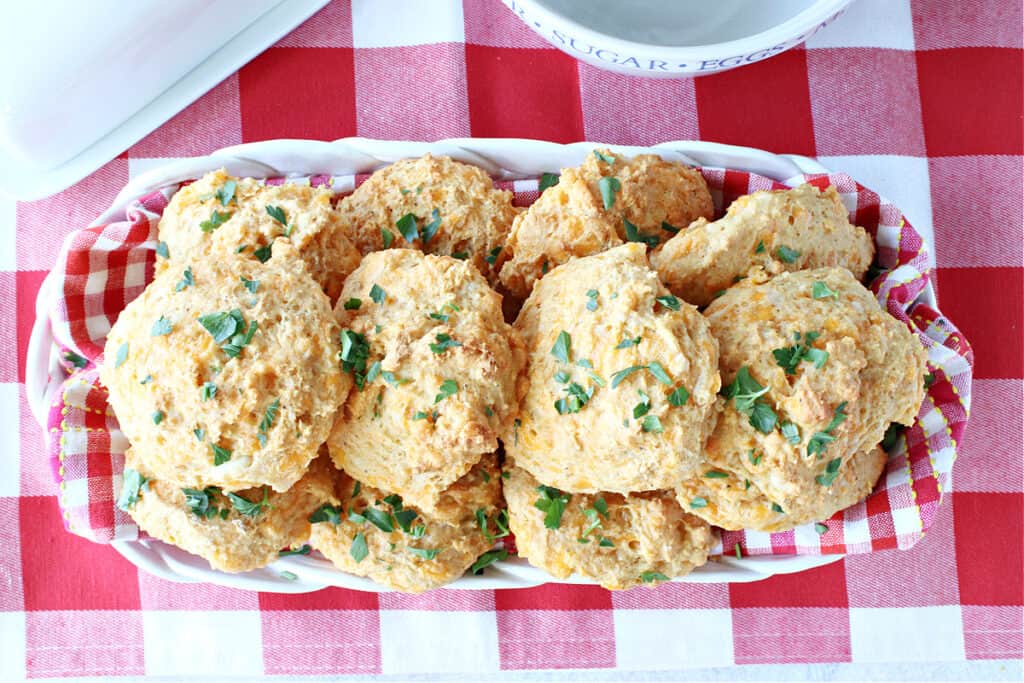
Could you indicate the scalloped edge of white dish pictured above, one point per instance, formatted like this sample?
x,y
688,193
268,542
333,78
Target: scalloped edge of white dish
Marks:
x,y
507,159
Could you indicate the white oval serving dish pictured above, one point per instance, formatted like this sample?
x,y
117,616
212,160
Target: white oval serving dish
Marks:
x,y
508,159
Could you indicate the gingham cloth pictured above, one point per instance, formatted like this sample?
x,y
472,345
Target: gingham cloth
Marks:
x,y
918,99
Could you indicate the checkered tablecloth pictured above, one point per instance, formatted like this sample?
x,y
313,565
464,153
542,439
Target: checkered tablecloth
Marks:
x,y
918,99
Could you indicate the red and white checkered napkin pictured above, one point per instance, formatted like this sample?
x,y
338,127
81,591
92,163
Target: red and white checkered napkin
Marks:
x,y
102,268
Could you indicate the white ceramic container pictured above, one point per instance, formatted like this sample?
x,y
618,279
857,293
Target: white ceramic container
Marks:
x,y
673,38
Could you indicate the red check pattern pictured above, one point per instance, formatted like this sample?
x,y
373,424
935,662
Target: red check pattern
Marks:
x,y
919,99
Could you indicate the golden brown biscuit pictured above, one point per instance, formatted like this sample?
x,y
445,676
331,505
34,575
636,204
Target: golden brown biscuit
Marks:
x,y
814,373
730,499
618,541
458,211
780,231
607,200
436,368
234,532
219,215
371,533
620,389
228,376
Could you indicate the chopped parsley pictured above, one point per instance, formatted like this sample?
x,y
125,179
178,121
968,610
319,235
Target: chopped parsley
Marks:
x,y
158,417
387,237
162,251
216,219
492,255
146,380
787,255
929,380
791,432
444,342
669,228
229,330
679,396
822,529
819,440
755,457
698,502
820,290
608,185
326,513
269,415
760,247
251,285
576,397
448,388
121,356
405,518
220,454
651,423
633,234
789,357
355,350
626,343
425,553
379,519
552,503
187,280
378,295
547,180
778,508
716,474
669,302
442,315
593,522
892,436
562,349
247,507
831,472
76,360
226,192
353,304
408,228
643,407
460,255
207,391
606,158
161,327
277,213
746,394
651,577
200,434
654,367
263,253
621,375
132,483
490,557
738,551
198,501
359,551
592,295
431,228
